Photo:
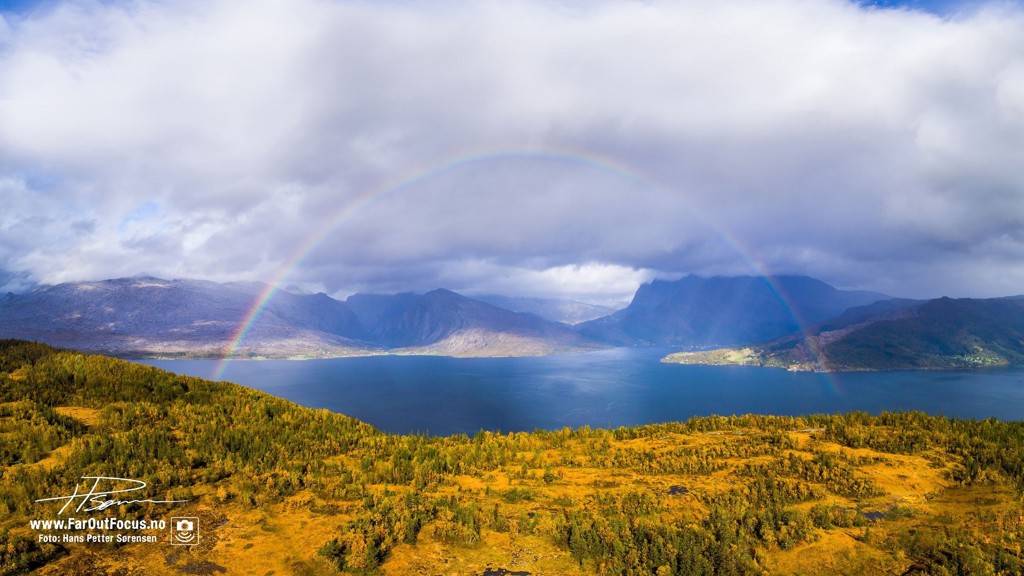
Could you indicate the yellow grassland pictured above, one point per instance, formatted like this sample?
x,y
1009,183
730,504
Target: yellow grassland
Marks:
x,y
88,416
284,537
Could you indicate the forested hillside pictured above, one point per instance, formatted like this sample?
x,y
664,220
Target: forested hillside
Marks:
x,y
281,489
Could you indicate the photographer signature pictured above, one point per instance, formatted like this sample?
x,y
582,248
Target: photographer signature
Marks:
x,y
95,499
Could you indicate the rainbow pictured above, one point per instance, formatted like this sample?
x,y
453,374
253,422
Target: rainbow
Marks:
x,y
394,186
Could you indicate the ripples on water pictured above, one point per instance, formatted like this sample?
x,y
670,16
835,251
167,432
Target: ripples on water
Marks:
x,y
437,395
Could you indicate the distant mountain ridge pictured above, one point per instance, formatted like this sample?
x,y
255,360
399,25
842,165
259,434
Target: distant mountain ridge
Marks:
x,y
443,321
146,315
152,316
943,333
699,311
789,321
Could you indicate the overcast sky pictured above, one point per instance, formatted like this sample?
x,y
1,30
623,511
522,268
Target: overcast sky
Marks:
x,y
563,147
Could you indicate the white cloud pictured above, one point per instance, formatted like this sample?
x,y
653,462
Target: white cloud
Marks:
x,y
809,136
598,283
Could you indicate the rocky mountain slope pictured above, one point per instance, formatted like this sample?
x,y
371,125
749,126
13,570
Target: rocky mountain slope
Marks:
x,y
723,311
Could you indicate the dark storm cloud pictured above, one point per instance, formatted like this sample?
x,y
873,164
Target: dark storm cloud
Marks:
x,y
602,144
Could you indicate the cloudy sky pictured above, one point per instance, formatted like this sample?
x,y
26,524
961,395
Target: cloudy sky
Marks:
x,y
558,147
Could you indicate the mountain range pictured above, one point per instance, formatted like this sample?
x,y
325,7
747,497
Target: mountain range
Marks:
x,y
723,311
896,334
152,316
156,317
444,322
795,322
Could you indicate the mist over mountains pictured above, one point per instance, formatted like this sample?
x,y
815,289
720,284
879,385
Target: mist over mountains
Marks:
x,y
570,312
792,321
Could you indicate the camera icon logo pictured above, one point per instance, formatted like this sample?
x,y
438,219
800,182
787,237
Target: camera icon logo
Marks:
x,y
185,531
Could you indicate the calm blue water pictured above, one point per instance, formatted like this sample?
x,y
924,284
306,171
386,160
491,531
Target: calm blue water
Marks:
x,y
618,387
